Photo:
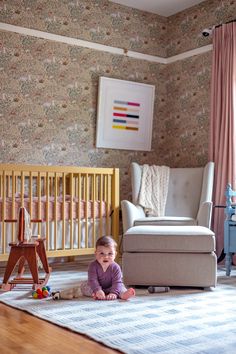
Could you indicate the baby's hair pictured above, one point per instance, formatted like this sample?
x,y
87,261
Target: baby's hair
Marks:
x,y
106,241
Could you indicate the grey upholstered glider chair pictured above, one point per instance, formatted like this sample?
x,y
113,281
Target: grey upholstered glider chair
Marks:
x,y
189,198
177,249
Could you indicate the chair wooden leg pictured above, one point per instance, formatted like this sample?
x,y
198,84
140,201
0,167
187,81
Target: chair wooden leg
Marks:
x,y
31,258
14,256
42,255
21,267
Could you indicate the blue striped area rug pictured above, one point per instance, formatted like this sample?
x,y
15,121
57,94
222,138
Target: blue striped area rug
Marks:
x,y
182,321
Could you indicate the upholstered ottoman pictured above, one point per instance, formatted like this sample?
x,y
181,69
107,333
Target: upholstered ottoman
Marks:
x,y
170,256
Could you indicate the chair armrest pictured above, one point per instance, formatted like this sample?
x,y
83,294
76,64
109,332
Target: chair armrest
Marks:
x,y
204,214
130,213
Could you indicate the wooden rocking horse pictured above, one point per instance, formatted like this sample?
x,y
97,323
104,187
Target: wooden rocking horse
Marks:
x,y
26,251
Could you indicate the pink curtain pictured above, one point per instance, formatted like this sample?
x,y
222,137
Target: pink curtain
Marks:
x,y
222,148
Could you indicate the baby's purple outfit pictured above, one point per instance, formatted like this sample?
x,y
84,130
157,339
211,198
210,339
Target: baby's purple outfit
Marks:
x,y
109,281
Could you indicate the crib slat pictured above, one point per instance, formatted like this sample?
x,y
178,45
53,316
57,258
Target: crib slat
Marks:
x,y
22,188
13,207
47,211
71,222
107,199
86,210
63,209
100,204
39,186
93,211
79,210
3,212
30,194
55,210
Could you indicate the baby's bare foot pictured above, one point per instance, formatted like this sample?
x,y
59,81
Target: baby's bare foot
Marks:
x,y
127,294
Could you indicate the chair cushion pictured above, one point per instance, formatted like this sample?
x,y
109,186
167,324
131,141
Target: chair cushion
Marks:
x,y
165,220
180,239
184,192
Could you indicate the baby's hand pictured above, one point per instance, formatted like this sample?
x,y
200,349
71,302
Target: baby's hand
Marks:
x,y
100,295
111,296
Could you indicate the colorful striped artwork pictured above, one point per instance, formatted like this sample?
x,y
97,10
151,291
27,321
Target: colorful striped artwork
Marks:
x,y
125,115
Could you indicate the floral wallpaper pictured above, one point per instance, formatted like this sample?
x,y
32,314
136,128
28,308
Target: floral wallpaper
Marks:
x,y
188,111
185,28
48,90
100,21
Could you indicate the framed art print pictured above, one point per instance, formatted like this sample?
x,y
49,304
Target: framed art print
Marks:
x,y
125,114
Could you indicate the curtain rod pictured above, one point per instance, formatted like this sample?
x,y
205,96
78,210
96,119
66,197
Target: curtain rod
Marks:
x,y
225,23
208,31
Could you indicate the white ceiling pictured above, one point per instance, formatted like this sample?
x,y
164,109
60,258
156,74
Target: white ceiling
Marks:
x,y
160,7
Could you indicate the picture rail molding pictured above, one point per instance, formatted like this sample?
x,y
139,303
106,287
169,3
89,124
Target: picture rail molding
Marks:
x,y
102,47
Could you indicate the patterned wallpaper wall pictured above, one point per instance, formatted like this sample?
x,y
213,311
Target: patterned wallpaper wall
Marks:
x,y
48,90
185,28
99,21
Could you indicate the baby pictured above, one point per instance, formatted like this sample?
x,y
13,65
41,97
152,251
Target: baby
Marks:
x,y
104,276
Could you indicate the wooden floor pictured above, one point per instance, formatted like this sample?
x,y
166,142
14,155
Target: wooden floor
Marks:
x,y
26,334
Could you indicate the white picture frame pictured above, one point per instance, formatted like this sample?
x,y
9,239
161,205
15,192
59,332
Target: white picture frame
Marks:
x,y
124,115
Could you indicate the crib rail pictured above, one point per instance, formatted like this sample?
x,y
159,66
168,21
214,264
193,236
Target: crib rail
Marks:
x,y
82,202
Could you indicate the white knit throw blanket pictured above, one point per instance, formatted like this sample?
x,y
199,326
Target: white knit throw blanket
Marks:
x,y
154,189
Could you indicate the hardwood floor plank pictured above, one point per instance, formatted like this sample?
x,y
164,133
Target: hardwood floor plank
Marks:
x,y
23,333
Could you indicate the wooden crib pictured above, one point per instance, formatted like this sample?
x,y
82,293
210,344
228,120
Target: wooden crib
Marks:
x,y
70,206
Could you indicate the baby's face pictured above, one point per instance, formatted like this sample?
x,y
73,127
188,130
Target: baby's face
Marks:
x,y
105,255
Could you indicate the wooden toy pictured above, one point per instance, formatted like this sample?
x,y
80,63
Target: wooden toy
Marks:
x,y
26,251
